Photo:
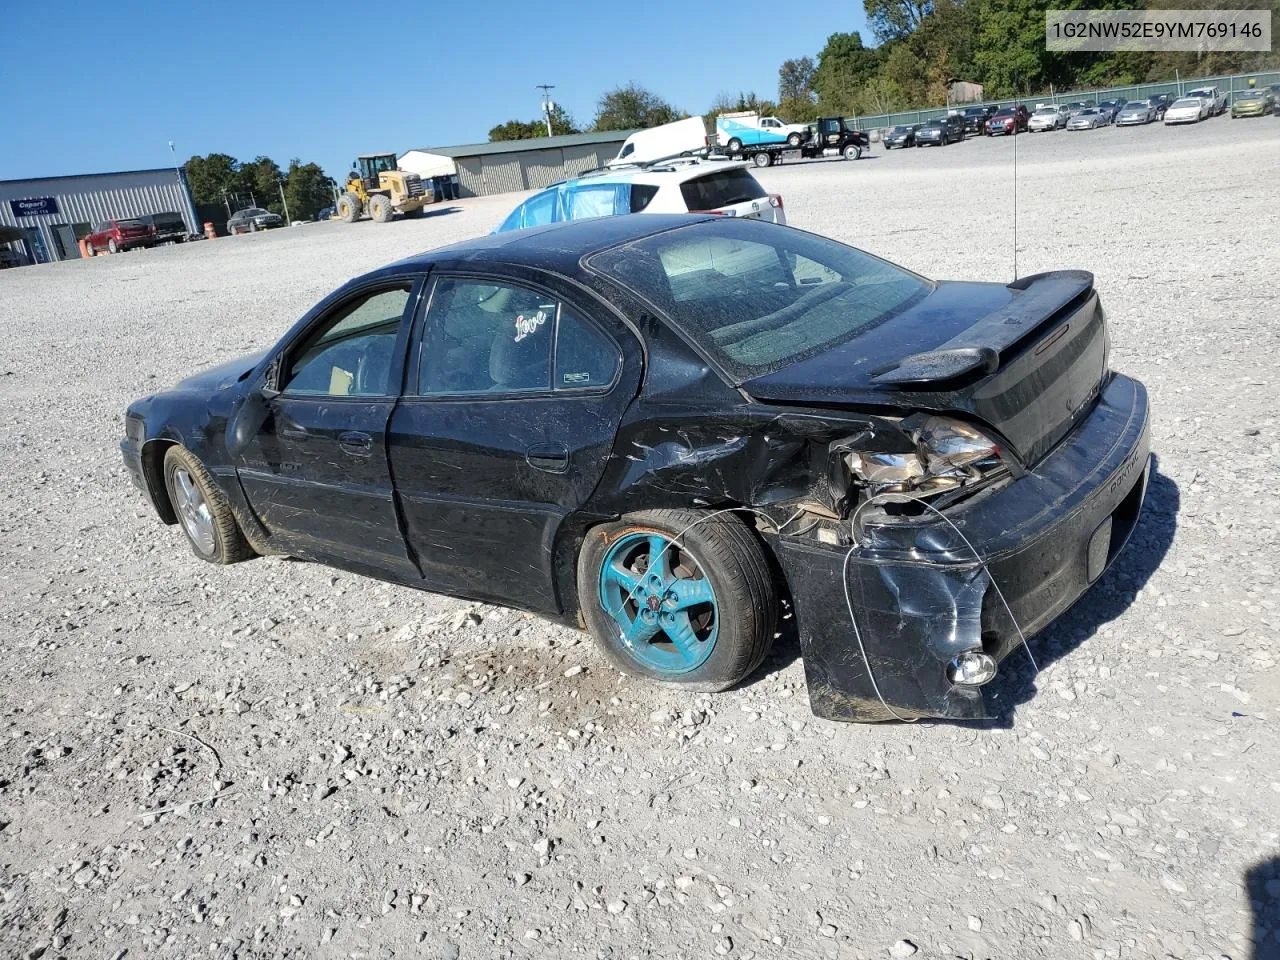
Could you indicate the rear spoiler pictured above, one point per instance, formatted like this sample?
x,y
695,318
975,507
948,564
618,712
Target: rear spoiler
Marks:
x,y
1039,298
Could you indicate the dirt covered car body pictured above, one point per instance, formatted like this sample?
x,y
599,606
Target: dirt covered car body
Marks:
x,y
657,426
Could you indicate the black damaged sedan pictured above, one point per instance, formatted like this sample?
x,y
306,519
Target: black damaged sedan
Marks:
x,y
661,428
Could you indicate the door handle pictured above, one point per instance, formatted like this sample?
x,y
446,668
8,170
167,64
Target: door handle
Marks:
x,y
548,457
356,443
291,431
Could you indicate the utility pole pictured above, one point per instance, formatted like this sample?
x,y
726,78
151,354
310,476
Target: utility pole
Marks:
x,y
186,190
287,219
547,105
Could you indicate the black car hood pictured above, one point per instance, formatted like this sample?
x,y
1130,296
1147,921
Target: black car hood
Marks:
x,y
1027,358
223,375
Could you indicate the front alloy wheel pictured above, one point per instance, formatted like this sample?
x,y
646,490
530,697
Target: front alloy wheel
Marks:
x,y
193,511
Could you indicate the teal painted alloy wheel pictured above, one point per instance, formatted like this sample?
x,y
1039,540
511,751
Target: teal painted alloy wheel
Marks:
x,y
664,606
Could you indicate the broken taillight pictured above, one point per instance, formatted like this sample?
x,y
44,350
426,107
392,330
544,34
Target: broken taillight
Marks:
x,y
775,200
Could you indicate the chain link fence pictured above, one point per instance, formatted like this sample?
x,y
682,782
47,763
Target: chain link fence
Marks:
x,y
1231,84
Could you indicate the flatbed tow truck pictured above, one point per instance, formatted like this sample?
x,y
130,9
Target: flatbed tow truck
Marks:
x,y
830,137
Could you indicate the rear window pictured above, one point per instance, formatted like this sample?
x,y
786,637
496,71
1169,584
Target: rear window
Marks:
x,y
756,297
129,223
721,189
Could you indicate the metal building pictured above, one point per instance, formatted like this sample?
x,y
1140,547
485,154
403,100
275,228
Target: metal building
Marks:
x,y
509,165
53,213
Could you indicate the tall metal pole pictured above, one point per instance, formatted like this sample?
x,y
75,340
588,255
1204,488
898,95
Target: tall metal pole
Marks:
x,y
186,190
287,218
546,89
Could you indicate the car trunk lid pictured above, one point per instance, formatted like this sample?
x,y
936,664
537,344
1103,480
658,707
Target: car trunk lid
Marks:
x,y
1028,359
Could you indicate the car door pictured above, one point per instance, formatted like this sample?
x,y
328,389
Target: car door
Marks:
x,y
316,471
515,388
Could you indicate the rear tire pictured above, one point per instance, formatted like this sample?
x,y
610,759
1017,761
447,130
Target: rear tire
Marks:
x,y
793,140
735,145
722,639
111,247
349,207
380,208
202,510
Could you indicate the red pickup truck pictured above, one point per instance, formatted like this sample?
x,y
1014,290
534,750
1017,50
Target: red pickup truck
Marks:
x,y
117,235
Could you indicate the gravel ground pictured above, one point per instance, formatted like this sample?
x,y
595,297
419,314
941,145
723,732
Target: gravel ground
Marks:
x,y
395,772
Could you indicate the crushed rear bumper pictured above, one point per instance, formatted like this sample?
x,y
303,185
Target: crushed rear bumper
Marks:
x,y
919,597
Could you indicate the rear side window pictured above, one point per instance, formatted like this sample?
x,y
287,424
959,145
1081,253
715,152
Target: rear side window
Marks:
x,y
498,338
721,189
585,357
641,194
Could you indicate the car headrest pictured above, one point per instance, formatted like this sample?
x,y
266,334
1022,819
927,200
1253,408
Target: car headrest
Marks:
x,y
521,351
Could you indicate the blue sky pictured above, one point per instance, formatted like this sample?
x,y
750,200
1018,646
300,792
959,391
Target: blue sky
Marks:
x,y
106,87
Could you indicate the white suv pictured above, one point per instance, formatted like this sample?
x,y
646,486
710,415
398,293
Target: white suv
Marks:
x,y
679,185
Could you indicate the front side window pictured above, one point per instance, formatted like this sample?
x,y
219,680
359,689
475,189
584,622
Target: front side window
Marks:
x,y
352,351
756,298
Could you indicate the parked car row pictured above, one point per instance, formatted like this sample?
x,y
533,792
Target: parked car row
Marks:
x,y
1196,105
116,236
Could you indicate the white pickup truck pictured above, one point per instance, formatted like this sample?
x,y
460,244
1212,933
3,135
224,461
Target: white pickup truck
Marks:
x,y
746,129
1217,99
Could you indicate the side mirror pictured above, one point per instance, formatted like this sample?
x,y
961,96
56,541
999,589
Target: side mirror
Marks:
x,y
269,389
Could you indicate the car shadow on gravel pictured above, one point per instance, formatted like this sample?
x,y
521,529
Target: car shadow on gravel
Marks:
x,y
1262,887
1106,600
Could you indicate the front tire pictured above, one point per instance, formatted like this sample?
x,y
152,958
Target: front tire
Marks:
x,y
688,605
852,152
349,207
111,247
380,208
202,510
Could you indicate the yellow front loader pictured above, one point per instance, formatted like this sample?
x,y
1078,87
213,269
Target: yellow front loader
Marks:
x,y
378,188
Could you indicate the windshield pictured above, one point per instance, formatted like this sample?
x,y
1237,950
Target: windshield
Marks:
x,y
1187,102
1087,113
1046,111
755,297
975,111
1006,112
899,130
1250,95
1136,105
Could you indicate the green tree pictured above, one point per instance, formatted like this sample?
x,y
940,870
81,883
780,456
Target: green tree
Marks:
x,y
211,177
633,107
561,123
308,189
259,182
845,65
795,79
895,19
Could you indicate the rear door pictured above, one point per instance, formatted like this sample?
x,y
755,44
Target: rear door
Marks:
x,y
316,471
515,388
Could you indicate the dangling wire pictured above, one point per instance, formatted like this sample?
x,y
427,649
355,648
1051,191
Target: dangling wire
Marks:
x,y
844,579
